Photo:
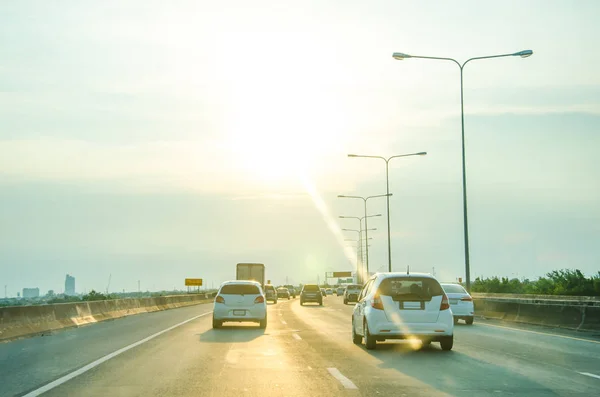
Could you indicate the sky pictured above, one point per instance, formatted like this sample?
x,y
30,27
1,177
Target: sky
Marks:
x,y
154,141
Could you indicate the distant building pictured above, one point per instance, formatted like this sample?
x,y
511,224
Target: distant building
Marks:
x,y
70,285
31,292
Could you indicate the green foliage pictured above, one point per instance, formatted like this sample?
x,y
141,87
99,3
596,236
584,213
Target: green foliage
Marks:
x,y
97,296
557,282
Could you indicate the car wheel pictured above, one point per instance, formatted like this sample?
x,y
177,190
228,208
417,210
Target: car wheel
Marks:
x,y
321,303
345,302
370,341
356,338
469,321
301,303
447,342
455,320
263,323
217,323
425,342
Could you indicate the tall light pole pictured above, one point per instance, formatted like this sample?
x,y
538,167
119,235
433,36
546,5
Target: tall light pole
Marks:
x,y
387,184
523,54
365,199
359,249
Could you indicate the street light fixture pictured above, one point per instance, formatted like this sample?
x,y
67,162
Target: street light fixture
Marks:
x,y
365,199
387,184
523,54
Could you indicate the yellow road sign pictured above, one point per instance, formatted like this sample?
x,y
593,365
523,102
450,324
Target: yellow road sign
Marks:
x,y
193,281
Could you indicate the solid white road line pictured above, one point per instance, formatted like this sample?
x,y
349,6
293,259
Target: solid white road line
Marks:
x,y
99,361
541,333
296,336
588,374
347,383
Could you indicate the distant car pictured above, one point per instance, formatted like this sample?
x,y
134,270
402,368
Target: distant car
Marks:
x,y
339,291
283,293
270,293
323,292
311,293
292,290
351,293
461,303
329,291
402,306
240,301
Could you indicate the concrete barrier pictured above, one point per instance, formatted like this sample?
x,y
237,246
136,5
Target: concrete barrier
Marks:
x,y
20,321
579,313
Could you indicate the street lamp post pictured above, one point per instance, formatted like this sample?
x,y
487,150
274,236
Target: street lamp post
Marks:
x,y
359,249
365,199
523,54
387,184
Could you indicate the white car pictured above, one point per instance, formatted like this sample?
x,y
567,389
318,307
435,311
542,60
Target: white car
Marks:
x,y
240,301
403,306
460,302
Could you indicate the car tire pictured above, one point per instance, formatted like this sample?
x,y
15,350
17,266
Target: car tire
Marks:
x,y
455,320
301,303
370,341
217,323
469,321
447,342
263,323
356,338
425,343
321,303
345,302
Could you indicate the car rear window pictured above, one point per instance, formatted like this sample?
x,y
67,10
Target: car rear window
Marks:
x,y
282,289
353,287
269,288
311,288
240,289
454,289
402,288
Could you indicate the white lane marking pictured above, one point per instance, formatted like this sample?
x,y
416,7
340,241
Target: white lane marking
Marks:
x,y
99,361
283,322
296,336
588,374
347,383
541,333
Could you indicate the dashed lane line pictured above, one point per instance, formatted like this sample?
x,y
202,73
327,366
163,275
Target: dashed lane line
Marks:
x,y
347,383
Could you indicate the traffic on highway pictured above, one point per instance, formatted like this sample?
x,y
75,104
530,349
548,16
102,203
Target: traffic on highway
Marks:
x,y
299,198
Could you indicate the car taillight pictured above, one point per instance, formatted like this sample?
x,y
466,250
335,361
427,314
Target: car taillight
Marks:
x,y
377,303
467,299
259,299
220,299
445,304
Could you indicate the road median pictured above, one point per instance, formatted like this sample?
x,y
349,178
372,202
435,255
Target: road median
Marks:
x,y
23,321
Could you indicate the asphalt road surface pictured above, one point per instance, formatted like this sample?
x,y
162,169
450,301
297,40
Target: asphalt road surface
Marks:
x,y
305,351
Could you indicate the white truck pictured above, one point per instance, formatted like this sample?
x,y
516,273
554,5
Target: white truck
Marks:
x,y
251,271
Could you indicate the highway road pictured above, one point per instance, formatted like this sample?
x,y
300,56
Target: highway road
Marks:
x,y
305,351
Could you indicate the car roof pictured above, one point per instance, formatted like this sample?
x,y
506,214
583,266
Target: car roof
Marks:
x,y
230,282
385,275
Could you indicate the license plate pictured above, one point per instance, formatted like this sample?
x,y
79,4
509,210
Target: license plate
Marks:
x,y
239,312
454,301
412,305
